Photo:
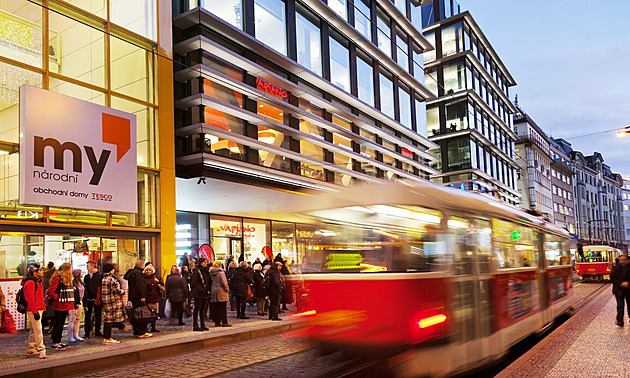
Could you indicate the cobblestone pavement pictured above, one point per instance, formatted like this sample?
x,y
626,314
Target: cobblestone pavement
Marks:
x,y
587,345
13,347
222,359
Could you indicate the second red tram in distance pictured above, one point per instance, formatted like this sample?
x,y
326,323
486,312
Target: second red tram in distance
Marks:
x,y
442,279
595,262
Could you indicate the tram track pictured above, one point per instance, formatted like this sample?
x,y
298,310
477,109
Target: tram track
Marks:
x,y
589,297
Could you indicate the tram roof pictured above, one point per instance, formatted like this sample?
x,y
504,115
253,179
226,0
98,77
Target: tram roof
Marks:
x,y
428,195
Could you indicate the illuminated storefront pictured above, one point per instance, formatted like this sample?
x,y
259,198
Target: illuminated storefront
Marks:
x,y
111,53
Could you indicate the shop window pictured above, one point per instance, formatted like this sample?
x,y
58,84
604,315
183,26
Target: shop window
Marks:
x,y
145,129
209,142
139,16
312,151
131,70
147,215
13,78
80,51
270,24
77,216
191,231
21,32
255,238
273,160
283,240
77,91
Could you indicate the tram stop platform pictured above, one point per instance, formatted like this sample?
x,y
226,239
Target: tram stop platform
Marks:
x,y
92,355
588,344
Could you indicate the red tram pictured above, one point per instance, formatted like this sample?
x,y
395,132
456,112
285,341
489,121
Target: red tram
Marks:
x,y
596,262
443,279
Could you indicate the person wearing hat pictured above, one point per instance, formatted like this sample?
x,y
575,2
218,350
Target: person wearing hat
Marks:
x,y
74,322
34,296
113,310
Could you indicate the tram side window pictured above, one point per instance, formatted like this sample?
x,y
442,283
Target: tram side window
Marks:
x,y
556,250
464,246
515,245
482,231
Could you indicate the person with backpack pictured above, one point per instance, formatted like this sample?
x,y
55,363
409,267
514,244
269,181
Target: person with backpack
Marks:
x,y
33,295
61,293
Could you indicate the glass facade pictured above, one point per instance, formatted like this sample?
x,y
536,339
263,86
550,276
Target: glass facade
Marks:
x,y
365,81
270,24
102,52
308,44
339,65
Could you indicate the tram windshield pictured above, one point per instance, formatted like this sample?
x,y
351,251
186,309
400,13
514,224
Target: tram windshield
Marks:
x,y
591,255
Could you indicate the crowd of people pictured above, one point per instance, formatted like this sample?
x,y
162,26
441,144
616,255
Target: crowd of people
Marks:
x,y
59,295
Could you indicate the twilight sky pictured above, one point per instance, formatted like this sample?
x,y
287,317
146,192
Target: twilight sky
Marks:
x,y
571,63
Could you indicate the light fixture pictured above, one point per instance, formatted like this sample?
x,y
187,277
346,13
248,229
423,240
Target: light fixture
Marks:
x,y
624,132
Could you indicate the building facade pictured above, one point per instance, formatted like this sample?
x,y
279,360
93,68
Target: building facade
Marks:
x,y
625,195
289,95
533,157
562,177
112,53
471,119
597,200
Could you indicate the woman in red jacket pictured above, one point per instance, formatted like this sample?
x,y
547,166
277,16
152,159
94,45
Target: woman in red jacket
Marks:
x,y
61,290
34,296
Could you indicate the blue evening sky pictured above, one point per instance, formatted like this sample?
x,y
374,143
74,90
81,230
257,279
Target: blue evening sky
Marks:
x,y
571,63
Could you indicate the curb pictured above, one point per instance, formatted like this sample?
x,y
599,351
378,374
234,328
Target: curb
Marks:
x,y
99,361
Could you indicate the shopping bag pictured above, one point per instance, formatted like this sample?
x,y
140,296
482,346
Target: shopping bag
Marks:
x,y
249,292
167,309
8,324
144,314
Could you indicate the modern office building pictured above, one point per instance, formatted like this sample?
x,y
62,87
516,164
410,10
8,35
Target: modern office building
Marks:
x,y
597,200
112,53
471,119
275,97
533,157
562,177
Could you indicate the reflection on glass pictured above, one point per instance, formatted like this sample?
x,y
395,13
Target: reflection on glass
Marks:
x,y
270,24
339,65
339,7
387,95
139,16
362,19
131,70
404,104
228,10
308,44
384,34
365,81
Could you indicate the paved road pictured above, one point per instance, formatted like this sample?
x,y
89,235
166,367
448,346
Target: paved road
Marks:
x,y
275,356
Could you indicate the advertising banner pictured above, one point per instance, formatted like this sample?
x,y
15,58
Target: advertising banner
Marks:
x,y
76,154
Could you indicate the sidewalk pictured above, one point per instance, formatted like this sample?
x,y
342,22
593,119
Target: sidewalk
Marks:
x,y
92,355
587,345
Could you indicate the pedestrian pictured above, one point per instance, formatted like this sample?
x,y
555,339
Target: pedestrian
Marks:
x,y
74,322
287,293
620,277
154,288
92,281
177,293
230,270
199,286
219,295
49,313
183,261
278,258
239,284
113,307
34,295
274,291
259,291
138,296
61,291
